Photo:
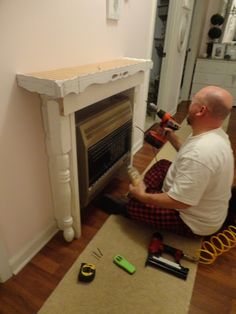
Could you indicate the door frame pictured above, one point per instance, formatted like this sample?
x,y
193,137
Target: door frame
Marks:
x,y
152,29
151,33
195,35
175,48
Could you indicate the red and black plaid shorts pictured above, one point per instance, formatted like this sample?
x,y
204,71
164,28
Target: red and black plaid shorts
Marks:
x,y
161,218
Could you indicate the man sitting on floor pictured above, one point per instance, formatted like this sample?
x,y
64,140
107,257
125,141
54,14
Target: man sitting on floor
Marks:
x,y
189,196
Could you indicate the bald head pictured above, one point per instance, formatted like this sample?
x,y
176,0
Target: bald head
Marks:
x,y
217,100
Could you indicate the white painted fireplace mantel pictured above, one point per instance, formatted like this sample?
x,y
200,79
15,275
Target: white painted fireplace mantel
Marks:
x,y
65,91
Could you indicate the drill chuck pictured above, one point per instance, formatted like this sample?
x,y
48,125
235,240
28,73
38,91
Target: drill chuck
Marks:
x,y
161,113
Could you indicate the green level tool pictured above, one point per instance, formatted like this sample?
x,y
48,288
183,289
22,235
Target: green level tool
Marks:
x,y
123,263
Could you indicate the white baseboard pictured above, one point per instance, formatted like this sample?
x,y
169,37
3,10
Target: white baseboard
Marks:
x,y
18,261
137,146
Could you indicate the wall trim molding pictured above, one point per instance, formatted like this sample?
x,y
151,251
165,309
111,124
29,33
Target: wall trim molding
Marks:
x,y
137,146
18,261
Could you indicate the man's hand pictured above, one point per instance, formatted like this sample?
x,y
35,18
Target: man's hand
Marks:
x,y
157,199
138,191
173,138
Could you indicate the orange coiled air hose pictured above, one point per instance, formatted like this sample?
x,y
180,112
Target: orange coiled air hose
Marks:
x,y
218,244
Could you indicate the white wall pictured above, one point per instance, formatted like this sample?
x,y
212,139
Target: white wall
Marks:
x,y
40,35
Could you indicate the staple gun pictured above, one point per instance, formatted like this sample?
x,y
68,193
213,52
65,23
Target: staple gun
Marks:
x,y
157,248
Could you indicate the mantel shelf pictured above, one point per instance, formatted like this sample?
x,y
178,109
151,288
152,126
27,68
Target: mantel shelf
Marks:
x,y
61,82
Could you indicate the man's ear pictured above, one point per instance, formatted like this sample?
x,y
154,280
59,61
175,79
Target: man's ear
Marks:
x,y
202,111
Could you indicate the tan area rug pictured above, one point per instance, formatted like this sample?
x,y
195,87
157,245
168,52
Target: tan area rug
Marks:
x,y
147,291
113,291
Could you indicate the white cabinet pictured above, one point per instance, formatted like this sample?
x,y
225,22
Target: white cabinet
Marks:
x,y
215,72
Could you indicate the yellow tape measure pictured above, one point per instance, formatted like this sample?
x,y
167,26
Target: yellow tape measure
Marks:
x,y
87,272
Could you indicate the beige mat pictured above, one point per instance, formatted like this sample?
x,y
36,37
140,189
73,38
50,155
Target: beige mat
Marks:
x,y
147,291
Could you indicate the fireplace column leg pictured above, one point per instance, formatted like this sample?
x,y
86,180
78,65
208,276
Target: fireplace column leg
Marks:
x,y
58,142
64,196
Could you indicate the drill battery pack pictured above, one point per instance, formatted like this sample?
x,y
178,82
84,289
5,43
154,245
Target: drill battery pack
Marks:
x,y
155,139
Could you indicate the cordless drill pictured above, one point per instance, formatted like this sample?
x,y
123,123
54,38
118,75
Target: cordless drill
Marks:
x,y
157,137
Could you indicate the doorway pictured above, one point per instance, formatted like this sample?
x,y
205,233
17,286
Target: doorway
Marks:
x,y
157,57
172,27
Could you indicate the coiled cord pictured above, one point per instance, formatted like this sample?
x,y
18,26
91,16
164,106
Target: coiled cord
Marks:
x,y
218,244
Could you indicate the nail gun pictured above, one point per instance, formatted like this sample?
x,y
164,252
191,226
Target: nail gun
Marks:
x,y
157,137
157,248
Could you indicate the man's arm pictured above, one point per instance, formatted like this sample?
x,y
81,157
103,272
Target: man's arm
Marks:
x,y
158,199
173,139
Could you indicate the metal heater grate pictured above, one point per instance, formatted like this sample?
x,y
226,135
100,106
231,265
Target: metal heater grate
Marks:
x,y
103,145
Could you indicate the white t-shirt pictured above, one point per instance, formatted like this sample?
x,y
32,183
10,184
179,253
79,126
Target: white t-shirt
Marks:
x,y
202,176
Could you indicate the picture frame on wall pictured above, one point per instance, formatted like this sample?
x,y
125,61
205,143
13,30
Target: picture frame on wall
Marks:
x,y
218,51
113,9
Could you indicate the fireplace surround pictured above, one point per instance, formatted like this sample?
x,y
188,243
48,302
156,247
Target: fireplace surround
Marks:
x,y
65,94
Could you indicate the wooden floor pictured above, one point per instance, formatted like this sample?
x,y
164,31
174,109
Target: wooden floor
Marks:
x,y
215,285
